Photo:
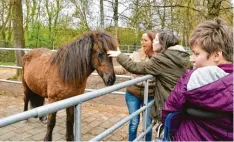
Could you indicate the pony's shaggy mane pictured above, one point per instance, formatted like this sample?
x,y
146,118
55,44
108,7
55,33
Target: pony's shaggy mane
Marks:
x,y
73,60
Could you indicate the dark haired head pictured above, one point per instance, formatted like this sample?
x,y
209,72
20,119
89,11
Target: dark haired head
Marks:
x,y
151,35
166,40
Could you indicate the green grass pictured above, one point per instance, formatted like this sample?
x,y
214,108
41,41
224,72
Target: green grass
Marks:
x,y
7,63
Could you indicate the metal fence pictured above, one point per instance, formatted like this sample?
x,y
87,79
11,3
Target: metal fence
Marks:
x,y
77,102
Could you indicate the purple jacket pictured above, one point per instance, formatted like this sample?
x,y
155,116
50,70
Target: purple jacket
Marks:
x,y
216,96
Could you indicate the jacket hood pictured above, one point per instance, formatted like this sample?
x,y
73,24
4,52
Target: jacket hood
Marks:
x,y
179,56
210,95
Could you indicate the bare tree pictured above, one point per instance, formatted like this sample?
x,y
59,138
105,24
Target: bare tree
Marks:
x,y
5,18
80,12
53,15
18,32
116,17
101,15
213,7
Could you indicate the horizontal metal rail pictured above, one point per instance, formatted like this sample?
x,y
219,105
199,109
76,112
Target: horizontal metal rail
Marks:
x,y
16,49
89,90
120,123
10,81
56,106
96,74
13,67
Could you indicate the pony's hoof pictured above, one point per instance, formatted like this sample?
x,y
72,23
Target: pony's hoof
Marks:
x,y
46,139
43,119
70,138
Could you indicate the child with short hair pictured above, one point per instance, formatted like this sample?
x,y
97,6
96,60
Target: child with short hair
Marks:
x,y
208,87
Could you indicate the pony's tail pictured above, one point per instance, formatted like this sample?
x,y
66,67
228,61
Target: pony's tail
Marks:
x,y
30,96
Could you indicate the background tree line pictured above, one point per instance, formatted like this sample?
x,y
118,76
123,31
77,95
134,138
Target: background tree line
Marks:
x,y
52,23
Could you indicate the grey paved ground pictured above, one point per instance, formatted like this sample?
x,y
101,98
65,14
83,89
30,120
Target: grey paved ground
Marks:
x,y
97,115
95,119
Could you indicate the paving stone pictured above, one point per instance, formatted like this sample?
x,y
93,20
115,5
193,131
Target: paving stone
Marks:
x,y
86,129
57,128
106,124
57,136
106,138
37,130
87,137
38,136
27,139
97,131
8,135
94,123
27,128
115,119
62,132
21,136
19,124
115,138
6,130
89,119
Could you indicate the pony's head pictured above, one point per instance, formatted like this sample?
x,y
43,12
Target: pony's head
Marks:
x,y
78,59
102,42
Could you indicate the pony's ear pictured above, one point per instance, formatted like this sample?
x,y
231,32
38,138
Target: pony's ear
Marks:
x,y
93,36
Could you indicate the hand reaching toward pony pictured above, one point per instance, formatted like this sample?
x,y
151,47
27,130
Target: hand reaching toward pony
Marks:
x,y
114,54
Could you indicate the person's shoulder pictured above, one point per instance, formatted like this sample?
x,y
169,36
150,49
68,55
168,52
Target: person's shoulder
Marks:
x,y
209,70
177,50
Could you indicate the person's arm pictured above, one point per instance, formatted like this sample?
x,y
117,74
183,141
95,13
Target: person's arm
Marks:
x,y
130,65
153,66
119,70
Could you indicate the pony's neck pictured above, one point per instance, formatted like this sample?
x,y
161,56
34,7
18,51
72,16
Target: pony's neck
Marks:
x,y
89,71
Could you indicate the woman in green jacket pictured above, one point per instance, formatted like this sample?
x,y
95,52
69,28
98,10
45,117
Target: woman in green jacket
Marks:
x,y
167,66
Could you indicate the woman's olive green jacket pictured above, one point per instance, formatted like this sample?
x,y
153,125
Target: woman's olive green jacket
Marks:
x,y
167,67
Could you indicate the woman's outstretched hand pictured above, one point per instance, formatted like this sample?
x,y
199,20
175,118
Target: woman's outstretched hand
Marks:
x,y
112,53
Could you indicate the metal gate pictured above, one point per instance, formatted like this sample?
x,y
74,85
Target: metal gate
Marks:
x,y
77,102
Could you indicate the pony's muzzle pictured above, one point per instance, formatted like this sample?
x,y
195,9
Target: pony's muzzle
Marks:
x,y
109,79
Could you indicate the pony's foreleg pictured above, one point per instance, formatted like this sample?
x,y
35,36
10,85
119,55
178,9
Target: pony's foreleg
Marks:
x,y
70,124
26,100
26,96
50,126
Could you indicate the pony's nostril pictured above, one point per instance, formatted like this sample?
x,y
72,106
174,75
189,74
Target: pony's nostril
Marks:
x,y
111,80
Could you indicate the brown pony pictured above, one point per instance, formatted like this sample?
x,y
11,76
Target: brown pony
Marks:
x,y
63,74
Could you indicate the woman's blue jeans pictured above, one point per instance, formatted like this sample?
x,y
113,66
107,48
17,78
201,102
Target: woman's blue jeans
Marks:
x,y
134,103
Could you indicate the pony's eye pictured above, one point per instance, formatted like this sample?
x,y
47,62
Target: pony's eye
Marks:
x,y
100,55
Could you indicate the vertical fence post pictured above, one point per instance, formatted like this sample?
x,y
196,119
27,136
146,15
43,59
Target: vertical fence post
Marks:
x,y
145,112
77,122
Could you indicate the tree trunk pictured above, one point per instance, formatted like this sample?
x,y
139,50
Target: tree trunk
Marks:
x,y
4,21
116,17
18,32
137,27
101,15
